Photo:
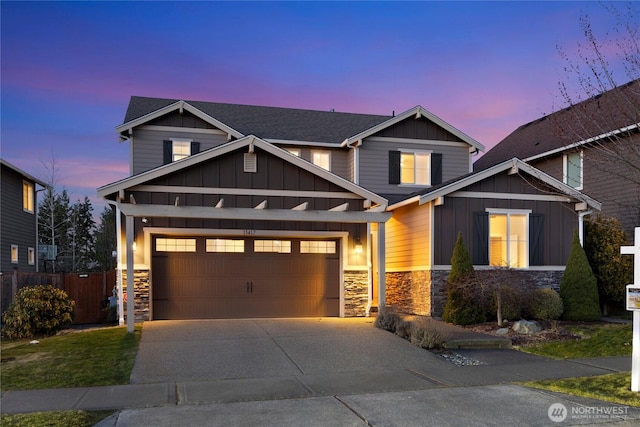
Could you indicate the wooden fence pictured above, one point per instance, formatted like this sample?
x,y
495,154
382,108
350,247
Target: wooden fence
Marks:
x,y
88,290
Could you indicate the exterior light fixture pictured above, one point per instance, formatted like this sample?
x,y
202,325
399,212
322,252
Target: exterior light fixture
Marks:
x,y
358,246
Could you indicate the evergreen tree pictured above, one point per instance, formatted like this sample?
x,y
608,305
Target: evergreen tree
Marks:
x,y
53,225
105,238
461,265
81,236
578,287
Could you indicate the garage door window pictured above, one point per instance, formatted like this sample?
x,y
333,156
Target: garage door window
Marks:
x,y
317,247
225,245
175,245
277,246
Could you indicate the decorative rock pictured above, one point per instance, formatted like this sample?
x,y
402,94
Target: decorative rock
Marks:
x,y
502,331
526,327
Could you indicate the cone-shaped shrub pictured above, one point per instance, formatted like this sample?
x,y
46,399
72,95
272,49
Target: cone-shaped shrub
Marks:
x,y
579,288
461,266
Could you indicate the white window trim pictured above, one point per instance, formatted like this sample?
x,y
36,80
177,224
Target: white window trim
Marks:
x,y
414,152
565,169
322,152
31,197
31,256
14,249
509,212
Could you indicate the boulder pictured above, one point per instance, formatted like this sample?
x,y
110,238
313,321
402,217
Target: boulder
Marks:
x,y
502,331
526,327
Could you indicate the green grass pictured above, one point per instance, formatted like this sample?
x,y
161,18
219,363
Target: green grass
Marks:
x,y
97,357
53,419
598,341
615,388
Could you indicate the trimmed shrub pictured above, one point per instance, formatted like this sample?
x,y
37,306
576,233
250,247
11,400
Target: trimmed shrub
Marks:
x,y
403,329
511,303
578,287
461,266
37,311
429,334
544,304
387,319
465,304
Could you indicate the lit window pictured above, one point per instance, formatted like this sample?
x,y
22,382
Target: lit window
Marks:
x,y
175,245
277,246
294,151
31,256
321,159
14,254
508,240
414,168
27,196
572,170
181,149
225,245
317,247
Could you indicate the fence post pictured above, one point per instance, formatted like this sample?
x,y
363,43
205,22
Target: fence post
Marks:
x,y
14,285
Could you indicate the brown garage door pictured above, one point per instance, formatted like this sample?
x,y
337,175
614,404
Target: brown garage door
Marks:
x,y
209,278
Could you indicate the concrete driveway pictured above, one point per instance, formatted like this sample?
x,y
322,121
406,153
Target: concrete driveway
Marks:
x,y
213,350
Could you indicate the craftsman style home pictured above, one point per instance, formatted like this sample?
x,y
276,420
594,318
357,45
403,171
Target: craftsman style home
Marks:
x,y
592,146
245,211
18,219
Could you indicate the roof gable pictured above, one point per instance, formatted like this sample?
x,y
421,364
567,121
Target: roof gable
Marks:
x,y
579,124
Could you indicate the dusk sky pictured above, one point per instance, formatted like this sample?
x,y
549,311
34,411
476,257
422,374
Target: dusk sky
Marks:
x,y
69,68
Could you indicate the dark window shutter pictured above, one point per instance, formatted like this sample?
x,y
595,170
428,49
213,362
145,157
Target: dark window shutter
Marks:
x,y
436,168
480,238
536,239
195,147
167,153
394,167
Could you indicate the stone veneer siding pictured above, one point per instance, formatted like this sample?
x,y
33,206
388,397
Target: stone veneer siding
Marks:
x,y
141,294
425,292
356,293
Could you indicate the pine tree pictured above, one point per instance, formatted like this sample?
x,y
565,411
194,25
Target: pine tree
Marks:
x,y
578,287
81,231
105,237
461,265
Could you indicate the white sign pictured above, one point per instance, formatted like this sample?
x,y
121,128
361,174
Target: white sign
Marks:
x,y
631,293
633,297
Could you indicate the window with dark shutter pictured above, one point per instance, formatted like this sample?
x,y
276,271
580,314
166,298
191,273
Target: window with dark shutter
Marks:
x,y
536,239
480,238
436,168
167,151
394,167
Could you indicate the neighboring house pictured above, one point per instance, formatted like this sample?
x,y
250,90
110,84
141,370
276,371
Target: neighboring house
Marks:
x,y
18,219
247,211
593,146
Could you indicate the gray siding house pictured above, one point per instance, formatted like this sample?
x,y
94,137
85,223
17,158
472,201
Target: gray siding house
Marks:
x,y
247,211
18,219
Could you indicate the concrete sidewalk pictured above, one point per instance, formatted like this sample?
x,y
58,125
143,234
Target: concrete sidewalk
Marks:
x,y
323,372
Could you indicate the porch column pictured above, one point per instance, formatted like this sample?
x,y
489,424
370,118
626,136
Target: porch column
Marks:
x,y
381,266
130,266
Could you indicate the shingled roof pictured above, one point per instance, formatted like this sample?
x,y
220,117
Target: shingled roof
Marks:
x,y
610,111
270,122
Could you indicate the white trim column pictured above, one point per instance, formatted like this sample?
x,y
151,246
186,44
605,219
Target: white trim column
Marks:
x,y
130,274
381,266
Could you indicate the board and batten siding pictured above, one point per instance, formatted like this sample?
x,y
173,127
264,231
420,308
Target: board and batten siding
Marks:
x,y
408,235
18,226
147,149
374,162
340,158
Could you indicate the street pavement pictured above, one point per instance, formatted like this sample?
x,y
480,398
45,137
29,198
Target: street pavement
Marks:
x,y
325,372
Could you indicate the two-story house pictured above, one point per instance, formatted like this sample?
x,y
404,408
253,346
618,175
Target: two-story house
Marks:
x,y
592,146
18,219
248,211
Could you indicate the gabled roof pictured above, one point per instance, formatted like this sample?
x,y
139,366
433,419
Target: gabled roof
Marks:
x,y
247,141
23,173
417,112
267,123
614,110
513,165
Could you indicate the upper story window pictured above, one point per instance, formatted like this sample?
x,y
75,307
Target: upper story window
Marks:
x,y
509,239
294,151
14,254
408,167
27,197
177,149
572,169
321,159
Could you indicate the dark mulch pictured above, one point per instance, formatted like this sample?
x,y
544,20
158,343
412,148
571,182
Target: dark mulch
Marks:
x,y
551,331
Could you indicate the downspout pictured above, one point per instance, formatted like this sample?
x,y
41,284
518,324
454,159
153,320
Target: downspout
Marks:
x,y
118,269
581,216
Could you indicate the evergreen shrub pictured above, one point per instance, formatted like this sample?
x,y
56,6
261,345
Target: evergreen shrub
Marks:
x,y
578,287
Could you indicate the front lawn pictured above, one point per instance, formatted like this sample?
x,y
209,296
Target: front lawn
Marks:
x,y
51,419
98,357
